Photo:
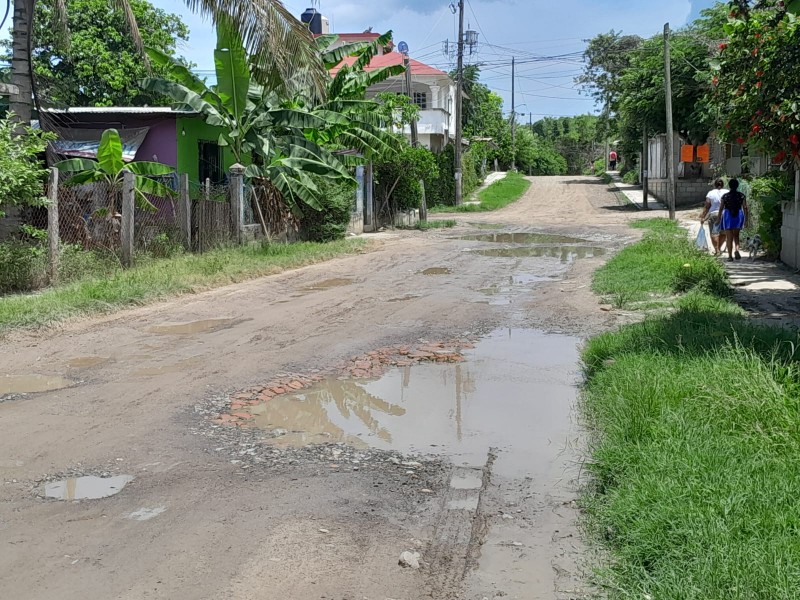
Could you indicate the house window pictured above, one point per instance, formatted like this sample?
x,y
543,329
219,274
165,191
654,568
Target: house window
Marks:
x,y
210,162
421,100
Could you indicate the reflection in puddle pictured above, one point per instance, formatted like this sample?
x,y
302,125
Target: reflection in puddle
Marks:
x,y
567,254
514,393
205,326
501,294
522,238
86,488
328,284
31,384
85,362
437,271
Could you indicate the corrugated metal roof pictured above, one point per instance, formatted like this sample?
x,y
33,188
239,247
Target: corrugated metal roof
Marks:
x,y
119,110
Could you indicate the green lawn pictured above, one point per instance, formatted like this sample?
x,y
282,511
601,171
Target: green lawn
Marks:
x,y
501,193
157,279
694,418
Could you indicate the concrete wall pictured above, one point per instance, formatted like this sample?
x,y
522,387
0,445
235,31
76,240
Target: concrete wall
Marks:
x,y
689,191
790,234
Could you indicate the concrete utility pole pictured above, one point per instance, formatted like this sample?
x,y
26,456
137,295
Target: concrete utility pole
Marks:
x,y
513,118
645,166
410,94
670,134
459,93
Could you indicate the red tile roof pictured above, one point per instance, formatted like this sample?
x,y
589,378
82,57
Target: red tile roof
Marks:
x,y
391,59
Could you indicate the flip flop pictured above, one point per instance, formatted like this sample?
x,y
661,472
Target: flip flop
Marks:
x,y
737,255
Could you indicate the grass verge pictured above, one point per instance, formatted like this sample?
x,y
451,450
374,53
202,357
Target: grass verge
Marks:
x,y
501,193
694,441
156,279
441,224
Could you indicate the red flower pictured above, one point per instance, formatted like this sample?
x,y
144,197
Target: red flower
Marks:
x,y
723,46
758,84
794,139
756,128
740,140
779,157
715,81
755,52
759,73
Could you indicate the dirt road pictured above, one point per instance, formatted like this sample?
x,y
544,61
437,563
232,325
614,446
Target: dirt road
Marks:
x,y
468,461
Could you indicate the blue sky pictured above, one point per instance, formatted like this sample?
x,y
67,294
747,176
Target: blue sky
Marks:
x,y
525,29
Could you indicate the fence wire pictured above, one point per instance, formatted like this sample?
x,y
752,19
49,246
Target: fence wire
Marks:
x,y
210,216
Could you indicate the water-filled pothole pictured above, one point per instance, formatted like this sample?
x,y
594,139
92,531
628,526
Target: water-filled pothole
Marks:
x,y
566,254
328,284
204,326
437,271
515,393
32,384
86,488
523,238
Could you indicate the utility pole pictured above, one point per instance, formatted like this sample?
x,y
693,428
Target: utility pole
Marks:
x,y
670,136
607,112
410,94
459,93
645,167
513,118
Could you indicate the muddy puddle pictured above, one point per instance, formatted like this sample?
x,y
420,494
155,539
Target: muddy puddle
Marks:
x,y
86,488
191,327
522,238
566,253
86,362
437,271
502,294
32,384
515,393
328,284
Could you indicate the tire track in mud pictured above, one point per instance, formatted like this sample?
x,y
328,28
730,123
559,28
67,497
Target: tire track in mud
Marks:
x,y
460,530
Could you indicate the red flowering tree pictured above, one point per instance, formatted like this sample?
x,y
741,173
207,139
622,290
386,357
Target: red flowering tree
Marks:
x,y
756,83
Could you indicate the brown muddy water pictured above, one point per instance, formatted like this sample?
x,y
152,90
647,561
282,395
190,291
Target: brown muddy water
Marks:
x,y
328,284
515,393
437,271
32,384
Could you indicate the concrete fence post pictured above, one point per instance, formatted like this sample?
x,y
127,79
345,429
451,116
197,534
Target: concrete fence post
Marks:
x,y
186,210
127,227
423,204
369,211
237,202
53,235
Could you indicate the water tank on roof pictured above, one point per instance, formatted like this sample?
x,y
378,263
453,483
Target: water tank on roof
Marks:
x,y
313,19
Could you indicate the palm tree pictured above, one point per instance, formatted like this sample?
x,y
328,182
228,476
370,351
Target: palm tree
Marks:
x,y
282,49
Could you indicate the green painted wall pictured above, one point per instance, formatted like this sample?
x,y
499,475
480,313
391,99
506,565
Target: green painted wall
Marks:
x,y
191,131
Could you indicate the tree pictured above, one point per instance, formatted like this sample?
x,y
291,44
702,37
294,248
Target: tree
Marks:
x,y
756,93
100,66
283,52
109,168
607,57
22,174
575,138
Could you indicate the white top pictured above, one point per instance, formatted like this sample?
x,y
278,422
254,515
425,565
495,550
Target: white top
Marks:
x,y
715,197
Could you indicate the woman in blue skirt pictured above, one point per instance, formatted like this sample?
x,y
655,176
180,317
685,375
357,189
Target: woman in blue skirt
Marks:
x,y
732,217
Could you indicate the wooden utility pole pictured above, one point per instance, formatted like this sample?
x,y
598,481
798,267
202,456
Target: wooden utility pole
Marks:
x,y
127,228
410,94
513,117
670,134
459,94
645,167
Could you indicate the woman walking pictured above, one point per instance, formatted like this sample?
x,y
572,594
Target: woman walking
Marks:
x,y
711,213
733,217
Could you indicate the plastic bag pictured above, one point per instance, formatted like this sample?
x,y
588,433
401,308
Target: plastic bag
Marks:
x,y
701,242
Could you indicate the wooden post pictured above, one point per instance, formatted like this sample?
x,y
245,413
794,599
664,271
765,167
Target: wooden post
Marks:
x,y
186,211
423,205
670,134
53,236
369,210
237,201
127,228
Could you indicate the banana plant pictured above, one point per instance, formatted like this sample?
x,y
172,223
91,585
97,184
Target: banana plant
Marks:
x,y
110,168
258,127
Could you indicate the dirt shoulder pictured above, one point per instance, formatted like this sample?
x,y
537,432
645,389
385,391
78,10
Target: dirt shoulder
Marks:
x,y
303,527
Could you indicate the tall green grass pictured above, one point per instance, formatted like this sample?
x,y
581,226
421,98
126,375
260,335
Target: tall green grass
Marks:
x,y
695,437
498,195
156,279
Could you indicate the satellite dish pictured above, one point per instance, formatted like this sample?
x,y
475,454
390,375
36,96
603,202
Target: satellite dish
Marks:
x,y
402,47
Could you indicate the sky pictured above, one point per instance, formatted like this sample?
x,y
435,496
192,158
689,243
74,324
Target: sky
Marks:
x,y
528,30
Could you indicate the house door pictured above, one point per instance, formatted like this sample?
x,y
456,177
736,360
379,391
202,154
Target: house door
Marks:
x,y
210,162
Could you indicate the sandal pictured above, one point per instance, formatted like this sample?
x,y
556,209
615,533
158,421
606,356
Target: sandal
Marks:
x,y
737,255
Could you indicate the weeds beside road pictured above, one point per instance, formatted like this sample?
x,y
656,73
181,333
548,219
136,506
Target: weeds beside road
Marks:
x,y
157,279
501,193
694,417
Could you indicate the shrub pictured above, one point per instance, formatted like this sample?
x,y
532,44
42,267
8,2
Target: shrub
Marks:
x,y
23,266
398,177
599,166
702,275
22,174
631,177
764,198
441,191
330,223
75,264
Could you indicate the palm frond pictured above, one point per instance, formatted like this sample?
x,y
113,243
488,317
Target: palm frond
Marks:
x,y
281,48
132,26
60,24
